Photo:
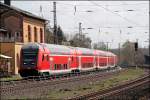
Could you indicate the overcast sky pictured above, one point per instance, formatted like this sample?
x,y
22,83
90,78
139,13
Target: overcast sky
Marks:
x,y
108,18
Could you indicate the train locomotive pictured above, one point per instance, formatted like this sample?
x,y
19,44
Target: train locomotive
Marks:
x,y
51,59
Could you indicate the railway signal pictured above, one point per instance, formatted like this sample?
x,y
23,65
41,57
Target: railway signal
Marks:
x,y
136,46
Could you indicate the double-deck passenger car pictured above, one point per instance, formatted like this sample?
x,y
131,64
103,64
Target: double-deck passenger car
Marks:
x,y
51,59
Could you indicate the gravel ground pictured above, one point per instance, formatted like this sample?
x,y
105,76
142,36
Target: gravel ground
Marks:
x,y
41,89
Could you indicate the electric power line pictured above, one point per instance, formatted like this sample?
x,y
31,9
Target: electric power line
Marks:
x,y
130,21
101,5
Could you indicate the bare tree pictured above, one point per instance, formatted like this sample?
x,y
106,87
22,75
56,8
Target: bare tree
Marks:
x,y
60,35
49,37
80,41
129,56
100,46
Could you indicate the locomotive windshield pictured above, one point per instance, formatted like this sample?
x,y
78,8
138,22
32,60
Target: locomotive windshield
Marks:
x,y
29,59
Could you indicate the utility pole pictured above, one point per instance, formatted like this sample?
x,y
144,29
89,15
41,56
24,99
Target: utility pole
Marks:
x,y
80,31
120,32
41,12
107,54
136,53
149,45
119,54
55,24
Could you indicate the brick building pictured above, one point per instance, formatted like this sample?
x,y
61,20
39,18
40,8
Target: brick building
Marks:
x,y
20,27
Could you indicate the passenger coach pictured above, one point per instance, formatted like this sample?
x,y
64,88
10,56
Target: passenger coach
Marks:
x,y
50,59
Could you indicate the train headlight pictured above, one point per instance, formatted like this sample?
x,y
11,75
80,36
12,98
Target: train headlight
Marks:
x,y
69,59
51,59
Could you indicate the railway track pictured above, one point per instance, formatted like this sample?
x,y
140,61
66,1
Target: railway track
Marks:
x,y
116,90
16,87
27,87
53,78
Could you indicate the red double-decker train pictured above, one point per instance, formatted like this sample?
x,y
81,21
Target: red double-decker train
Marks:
x,y
50,59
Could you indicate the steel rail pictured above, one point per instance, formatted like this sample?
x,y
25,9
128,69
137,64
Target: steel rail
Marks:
x,y
52,78
113,90
36,84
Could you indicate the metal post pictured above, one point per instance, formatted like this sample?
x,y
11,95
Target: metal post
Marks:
x,y
120,48
80,31
55,23
107,54
149,45
119,55
114,61
136,52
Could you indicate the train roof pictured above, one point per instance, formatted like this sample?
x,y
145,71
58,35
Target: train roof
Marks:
x,y
59,49
85,51
104,53
67,50
108,53
112,54
100,52
30,46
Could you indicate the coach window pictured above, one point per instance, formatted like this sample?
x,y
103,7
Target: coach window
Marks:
x,y
43,58
47,58
65,66
60,66
55,67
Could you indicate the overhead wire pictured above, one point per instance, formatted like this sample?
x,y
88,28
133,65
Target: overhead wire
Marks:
x,y
100,5
130,21
95,4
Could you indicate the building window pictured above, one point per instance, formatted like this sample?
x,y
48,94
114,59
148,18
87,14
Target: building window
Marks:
x,y
35,34
18,37
41,35
17,34
9,34
29,33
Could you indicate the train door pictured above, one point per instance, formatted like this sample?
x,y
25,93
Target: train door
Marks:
x,y
73,63
95,61
79,62
114,60
51,60
69,62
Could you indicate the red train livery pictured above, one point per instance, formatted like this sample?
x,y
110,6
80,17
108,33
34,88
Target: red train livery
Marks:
x,y
50,59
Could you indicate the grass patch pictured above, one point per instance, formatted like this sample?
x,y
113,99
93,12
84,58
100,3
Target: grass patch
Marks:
x,y
16,77
121,77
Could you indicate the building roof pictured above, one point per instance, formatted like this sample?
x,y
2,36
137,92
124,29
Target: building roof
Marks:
x,y
2,30
4,56
21,11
